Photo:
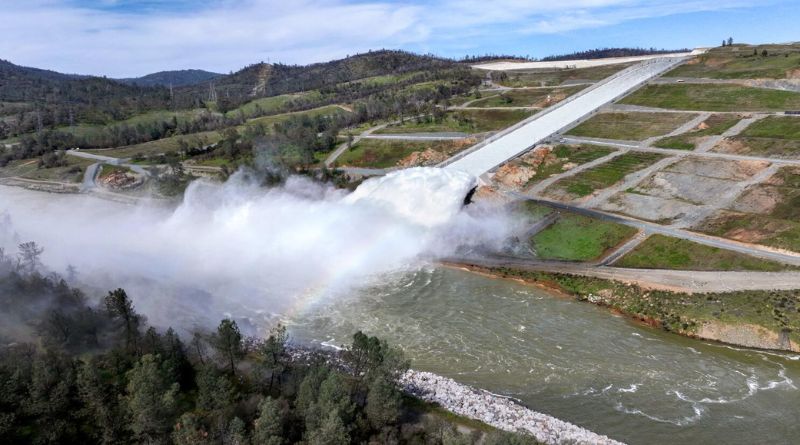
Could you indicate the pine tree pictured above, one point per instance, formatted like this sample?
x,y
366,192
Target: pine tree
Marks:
x,y
270,423
271,355
189,430
236,433
228,343
101,401
331,432
151,400
383,403
120,309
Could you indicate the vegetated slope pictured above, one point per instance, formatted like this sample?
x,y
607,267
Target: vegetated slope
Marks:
x,y
772,61
52,111
262,79
177,78
61,98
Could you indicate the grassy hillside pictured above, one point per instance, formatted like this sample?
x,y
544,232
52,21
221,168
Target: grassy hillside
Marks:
x,y
744,62
710,97
40,113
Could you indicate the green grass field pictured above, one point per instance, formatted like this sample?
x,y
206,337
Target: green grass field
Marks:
x,y
531,209
739,62
268,105
172,144
630,126
269,121
381,153
750,227
578,238
94,133
536,78
769,147
603,175
161,146
528,98
566,154
29,169
664,252
466,121
777,127
713,97
717,124
777,136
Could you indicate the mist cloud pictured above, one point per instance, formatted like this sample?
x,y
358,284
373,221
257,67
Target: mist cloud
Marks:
x,y
239,250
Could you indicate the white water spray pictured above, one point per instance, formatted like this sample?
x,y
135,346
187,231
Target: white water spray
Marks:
x,y
237,249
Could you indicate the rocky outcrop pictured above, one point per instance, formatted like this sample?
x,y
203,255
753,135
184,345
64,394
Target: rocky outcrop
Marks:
x,y
423,158
497,411
748,335
119,180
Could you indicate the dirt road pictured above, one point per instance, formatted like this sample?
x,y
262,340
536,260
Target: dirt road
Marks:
x,y
689,281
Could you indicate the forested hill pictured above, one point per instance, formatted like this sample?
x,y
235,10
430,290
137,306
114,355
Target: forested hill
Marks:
x,y
262,79
61,98
602,53
42,111
6,66
177,78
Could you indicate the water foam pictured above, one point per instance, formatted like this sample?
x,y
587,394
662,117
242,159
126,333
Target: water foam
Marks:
x,y
243,250
424,196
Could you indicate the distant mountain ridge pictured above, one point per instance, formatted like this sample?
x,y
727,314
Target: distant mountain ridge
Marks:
x,y
8,68
177,78
52,100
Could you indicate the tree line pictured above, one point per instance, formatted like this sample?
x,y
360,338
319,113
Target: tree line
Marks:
x,y
76,372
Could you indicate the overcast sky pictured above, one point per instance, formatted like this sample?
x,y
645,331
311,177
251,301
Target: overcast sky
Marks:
x,y
121,38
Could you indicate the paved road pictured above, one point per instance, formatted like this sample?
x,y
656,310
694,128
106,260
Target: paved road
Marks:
x,y
674,280
519,138
345,145
94,157
108,160
441,136
89,177
365,171
90,174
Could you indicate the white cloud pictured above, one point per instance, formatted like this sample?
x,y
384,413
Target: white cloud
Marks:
x,y
61,35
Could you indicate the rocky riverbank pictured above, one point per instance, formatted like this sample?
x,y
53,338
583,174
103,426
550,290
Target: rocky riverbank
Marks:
x,y
500,412
497,411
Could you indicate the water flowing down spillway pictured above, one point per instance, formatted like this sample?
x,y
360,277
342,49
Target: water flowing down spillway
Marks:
x,y
329,263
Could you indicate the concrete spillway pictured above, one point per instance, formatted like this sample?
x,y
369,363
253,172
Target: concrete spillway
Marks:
x,y
519,138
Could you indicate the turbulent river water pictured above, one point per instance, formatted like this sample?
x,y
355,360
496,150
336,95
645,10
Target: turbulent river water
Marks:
x,y
238,251
572,360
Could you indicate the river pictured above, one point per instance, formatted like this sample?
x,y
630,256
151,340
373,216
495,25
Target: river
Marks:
x,y
572,360
568,359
